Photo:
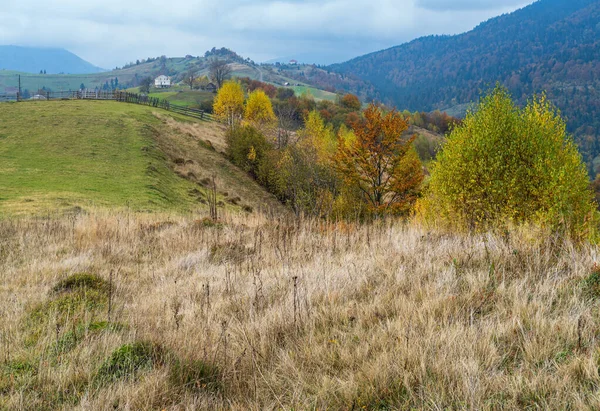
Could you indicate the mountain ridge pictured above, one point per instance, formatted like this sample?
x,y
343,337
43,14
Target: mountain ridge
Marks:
x,y
549,46
50,60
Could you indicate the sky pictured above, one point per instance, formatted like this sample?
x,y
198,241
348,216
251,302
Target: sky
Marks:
x,y
110,33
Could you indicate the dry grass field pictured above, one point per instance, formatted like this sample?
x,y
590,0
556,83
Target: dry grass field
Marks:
x,y
131,311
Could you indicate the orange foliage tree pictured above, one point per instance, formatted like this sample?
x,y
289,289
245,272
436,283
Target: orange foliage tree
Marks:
x,y
350,101
381,163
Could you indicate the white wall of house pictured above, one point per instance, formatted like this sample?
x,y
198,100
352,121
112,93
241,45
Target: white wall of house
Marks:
x,y
162,81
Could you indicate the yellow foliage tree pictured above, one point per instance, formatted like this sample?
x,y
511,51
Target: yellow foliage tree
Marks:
x,y
507,166
229,104
317,138
259,111
305,175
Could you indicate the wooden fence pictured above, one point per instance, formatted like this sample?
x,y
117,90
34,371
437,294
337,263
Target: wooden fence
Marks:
x,y
7,97
120,96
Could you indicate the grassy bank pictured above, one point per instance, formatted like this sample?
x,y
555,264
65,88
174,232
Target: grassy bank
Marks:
x,y
262,313
62,155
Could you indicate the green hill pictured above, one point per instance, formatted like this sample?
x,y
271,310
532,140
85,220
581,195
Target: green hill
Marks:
x,y
131,75
62,155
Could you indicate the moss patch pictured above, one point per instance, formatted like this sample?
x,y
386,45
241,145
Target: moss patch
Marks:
x,y
129,360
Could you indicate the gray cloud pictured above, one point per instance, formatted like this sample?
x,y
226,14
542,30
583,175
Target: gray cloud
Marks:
x,y
461,5
114,32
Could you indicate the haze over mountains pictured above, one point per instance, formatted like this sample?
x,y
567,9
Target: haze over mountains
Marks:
x,y
50,60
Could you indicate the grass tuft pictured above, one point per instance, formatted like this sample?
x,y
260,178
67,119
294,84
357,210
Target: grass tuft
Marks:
x,y
81,282
591,284
129,360
195,376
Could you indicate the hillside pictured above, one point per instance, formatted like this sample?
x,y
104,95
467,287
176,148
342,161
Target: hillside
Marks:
x,y
73,155
51,60
264,314
551,45
130,76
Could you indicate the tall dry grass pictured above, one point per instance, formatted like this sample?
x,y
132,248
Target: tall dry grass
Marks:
x,y
266,313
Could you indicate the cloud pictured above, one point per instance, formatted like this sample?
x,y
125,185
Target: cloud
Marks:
x,y
462,5
113,32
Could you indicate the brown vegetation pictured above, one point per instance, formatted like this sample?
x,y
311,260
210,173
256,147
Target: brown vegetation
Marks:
x,y
260,313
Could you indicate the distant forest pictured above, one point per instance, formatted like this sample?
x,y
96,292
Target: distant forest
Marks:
x,y
551,46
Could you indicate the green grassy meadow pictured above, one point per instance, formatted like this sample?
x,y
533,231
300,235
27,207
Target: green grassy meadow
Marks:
x,y
184,97
63,155
57,154
315,92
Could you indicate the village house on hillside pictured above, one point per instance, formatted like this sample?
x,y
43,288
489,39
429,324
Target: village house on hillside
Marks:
x,y
210,87
162,82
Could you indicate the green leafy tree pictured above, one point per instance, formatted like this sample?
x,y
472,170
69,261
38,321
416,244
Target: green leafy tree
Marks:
x,y
507,166
145,85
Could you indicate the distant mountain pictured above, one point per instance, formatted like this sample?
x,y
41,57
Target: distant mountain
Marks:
x,y
551,45
53,61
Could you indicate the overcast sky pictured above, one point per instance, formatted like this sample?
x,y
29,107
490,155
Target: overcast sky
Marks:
x,y
110,33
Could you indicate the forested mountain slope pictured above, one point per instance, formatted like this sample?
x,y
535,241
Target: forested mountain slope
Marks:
x,y
551,45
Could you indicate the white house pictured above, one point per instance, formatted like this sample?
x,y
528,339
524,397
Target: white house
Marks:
x,y
162,82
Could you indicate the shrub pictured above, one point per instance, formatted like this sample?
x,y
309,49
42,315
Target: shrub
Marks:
x,y
507,166
247,148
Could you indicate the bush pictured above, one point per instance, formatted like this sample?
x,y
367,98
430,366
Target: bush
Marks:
x,y
247,148
507,166
207,106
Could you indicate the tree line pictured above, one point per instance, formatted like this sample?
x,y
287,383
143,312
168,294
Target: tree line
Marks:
x,y
503,166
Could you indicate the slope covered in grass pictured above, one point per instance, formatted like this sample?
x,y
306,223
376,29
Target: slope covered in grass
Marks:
x,y
258,313
183,96
66,154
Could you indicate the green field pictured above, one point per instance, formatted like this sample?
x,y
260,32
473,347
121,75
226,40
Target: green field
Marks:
x,y
54,82
315,92
64,154
184,97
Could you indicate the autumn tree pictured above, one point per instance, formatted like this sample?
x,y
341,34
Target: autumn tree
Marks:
x,y
219,71
305,177
259,111
229,104
190,78
286,112
507,166
380,163
350,101
247,147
